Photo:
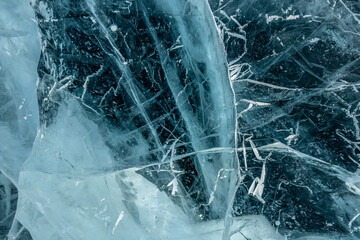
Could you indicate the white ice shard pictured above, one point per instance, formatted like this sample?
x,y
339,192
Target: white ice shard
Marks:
x,y
19,55
118,205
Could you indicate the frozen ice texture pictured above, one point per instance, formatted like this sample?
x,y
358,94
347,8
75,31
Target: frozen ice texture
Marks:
x,y
180,119
19,54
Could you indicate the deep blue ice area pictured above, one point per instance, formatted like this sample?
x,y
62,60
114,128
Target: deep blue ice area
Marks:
x,y
179,119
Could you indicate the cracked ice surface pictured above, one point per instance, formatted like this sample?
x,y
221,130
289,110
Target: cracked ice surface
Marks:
x,y
19,53
174,119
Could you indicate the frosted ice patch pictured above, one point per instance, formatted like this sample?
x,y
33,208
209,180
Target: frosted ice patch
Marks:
x,y
114,28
